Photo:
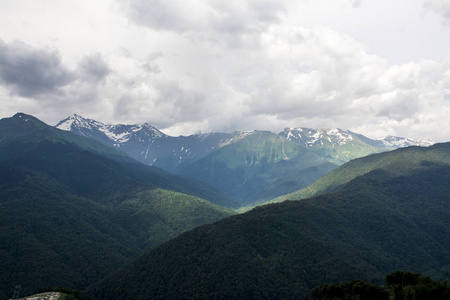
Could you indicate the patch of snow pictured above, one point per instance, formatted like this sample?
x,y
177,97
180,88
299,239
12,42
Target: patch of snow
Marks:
x,y
315,138
118,138
343,137
65,125
398,142
290,135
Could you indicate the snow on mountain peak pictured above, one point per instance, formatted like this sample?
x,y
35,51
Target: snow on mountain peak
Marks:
x,y
400,142
118,134
311,136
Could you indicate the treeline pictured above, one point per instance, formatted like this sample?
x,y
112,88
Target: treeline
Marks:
x,y
400,285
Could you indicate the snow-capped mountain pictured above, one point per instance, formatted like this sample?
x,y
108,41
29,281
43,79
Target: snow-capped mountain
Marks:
x,y
151,146
146,143
342,145
320,137
115,135
399,142
248,165
315,137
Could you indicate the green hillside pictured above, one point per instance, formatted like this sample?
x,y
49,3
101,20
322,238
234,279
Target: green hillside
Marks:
x,y
336,145
258,167
25,136
385,220
69,216
52,237
402,160
23,132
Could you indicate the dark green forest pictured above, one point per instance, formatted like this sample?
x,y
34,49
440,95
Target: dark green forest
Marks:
x,y
76,214
399,285
375,224
69,215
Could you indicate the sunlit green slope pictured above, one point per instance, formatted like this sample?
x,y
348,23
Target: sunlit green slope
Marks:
x,y
257,166
402,160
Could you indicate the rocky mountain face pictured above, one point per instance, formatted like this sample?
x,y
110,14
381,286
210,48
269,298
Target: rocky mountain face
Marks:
x,y
146,143
251,166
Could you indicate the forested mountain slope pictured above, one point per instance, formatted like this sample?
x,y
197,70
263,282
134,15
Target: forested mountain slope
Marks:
x,y
384,220
403,160
69,214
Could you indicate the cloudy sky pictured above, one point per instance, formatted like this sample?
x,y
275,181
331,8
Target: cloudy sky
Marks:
x,y
377,67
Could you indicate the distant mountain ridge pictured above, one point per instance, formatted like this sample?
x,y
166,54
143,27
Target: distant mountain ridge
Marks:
x,y
321,138
146,143
251,166
151,146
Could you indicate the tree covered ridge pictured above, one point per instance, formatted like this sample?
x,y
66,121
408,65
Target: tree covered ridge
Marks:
x,y
400,285
377,223
70,215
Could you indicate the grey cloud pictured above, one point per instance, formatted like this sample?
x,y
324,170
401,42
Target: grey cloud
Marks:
x,y
31,72
204,17
150,65
94,67
245,16
176,103
401,105
158,14
356,3
441,7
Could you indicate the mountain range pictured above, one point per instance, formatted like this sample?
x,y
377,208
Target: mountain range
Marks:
x,y
77,213
72,210
390,212
252,167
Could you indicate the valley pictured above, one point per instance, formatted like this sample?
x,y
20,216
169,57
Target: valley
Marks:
x,y
252,167
80,212
395,216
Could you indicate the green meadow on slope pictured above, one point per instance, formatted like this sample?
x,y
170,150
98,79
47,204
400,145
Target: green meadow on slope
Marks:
x,y
258,167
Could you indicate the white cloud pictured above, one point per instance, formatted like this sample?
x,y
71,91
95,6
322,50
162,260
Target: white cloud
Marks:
x,y
187,66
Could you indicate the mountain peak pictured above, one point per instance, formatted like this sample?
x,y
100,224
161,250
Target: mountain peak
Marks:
x,y
20,115
68,122
311,137
401,142
25,120
317,137
23,117
115,134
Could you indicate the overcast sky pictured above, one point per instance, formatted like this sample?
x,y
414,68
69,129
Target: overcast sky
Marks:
x,y
376,67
